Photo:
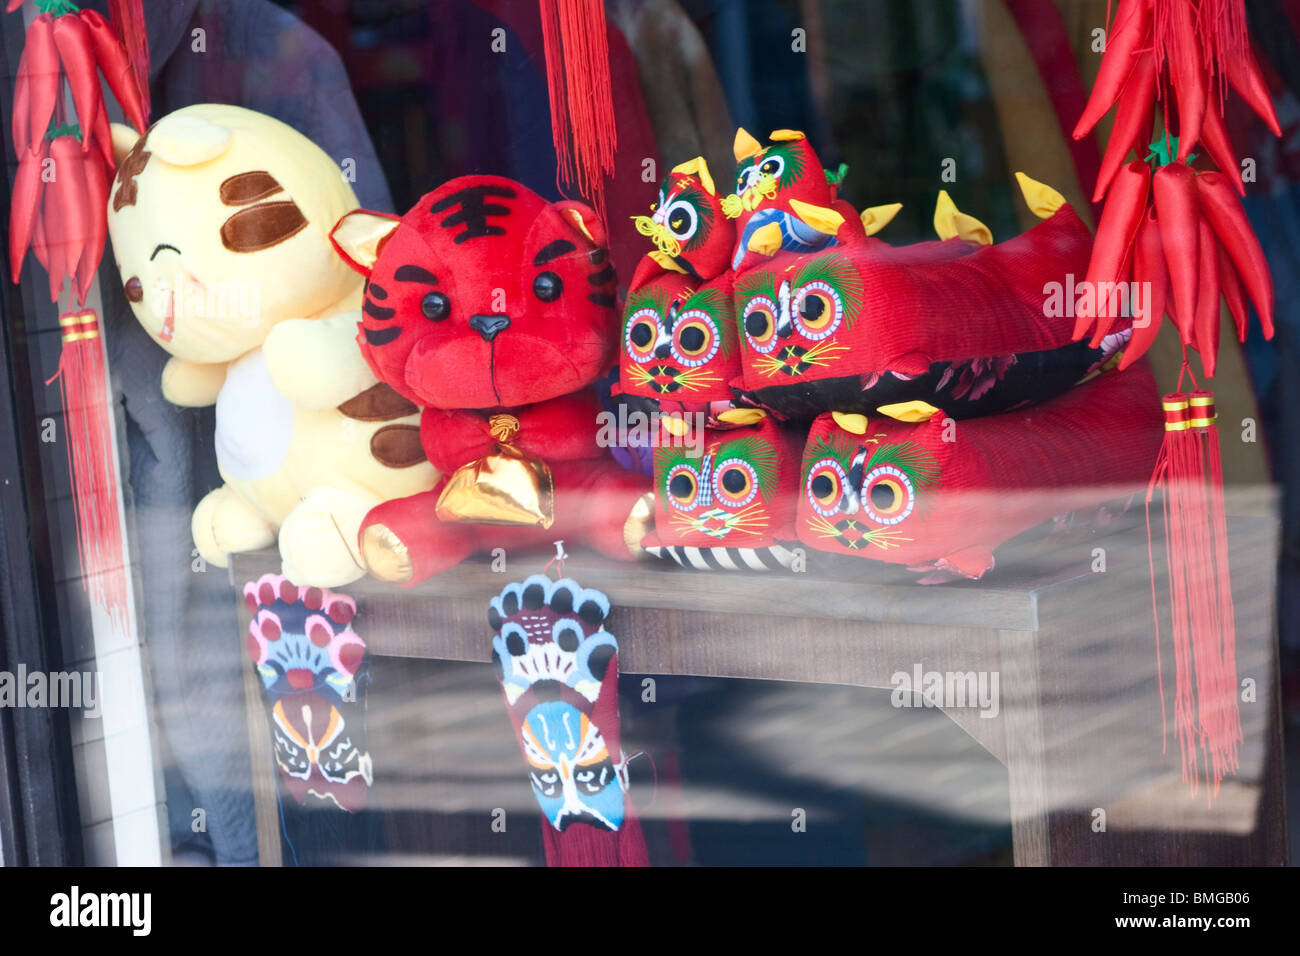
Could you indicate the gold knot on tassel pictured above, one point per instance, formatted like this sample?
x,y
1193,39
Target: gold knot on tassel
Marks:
x,y
503,428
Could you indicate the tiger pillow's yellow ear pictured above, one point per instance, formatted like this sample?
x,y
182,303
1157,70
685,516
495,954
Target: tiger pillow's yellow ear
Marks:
x,y
124,140
360,235
699,168
745,145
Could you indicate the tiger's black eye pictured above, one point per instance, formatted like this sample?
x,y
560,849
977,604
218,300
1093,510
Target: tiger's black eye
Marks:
x,y
693,339
677,222
548,287
882,496
681,487
769,166
756,324
435,306
813,307
822,487
641,335
733,480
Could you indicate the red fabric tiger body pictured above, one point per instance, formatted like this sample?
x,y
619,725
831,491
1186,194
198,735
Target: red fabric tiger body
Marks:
x,y
485,300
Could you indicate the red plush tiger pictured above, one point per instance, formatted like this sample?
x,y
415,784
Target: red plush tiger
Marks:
x,y
494,311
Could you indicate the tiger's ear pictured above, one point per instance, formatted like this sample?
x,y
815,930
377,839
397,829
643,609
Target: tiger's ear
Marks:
x,y
700,169
360,235
744,145
583,220
124,140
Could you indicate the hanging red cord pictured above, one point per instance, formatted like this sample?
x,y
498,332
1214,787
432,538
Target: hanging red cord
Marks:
x,y
582,101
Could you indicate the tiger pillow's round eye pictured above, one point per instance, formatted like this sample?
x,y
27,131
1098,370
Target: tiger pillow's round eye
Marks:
x,y
818,310
681,219
825,486
887,495
735,482
772,166
640,334
682,487
759,323
435,306
548,286
695,340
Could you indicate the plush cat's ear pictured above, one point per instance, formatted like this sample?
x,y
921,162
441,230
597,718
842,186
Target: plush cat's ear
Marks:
x,y
184,140
360,235
583,220
124,140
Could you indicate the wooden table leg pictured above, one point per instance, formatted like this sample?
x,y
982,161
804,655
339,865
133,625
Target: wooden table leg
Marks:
x,y
1023,729
266,804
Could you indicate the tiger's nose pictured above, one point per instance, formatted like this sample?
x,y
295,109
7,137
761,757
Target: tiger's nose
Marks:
x,y
489,325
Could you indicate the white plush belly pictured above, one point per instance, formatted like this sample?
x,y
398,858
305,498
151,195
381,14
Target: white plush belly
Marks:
x,y
254,421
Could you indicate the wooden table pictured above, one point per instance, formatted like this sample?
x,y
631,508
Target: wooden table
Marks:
x,y
1078,726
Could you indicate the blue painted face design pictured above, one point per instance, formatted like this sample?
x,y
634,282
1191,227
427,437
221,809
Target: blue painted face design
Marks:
x,y
572,774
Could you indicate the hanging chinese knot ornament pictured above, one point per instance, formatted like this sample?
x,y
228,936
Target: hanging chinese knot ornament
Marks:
x,y
1179,228
58,210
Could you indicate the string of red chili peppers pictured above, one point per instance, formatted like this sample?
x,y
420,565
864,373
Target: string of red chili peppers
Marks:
x,y
1180,230
64,169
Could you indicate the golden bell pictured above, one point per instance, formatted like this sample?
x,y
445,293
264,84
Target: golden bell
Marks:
x,y
503,488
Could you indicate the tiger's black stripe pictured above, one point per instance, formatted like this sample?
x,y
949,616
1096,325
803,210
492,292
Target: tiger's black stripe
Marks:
x,y
381,336
474,211
604,275
413,273
603,299
553,250
378,311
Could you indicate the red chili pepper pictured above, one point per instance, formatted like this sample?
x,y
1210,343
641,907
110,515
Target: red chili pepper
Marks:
x,y
1214,137
1129,34
23,209
56,244
1245,77
39,243
102,135
1150,272
1119,222
96,201
36,88
77,55
1206,324
1177,212
1135,106
1188,75
1232,293
70,175
1223,210
112,59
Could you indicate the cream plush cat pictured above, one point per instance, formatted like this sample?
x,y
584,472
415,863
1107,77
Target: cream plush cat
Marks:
x,y
220,218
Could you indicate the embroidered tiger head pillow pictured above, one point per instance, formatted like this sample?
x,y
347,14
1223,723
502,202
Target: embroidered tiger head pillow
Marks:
x,y
483,295
219,218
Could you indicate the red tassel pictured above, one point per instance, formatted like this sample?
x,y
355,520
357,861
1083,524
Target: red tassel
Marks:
x,y
1189,473
582,100
128,18
88,437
